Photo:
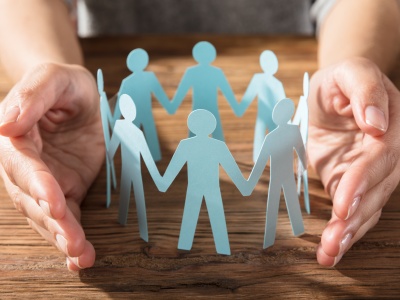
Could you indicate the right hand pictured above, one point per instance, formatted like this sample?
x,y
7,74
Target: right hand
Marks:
x,y
51,150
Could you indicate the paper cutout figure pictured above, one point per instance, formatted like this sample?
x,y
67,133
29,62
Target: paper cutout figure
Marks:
x,y
279,145
106,120
140,85
269,91
301,118
205,80
203,156
133,146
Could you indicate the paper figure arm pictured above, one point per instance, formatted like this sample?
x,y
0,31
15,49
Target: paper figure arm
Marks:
x,y
114,143
259,167
177,162
226,90
249,95
105,107
299,112
160,94
301,151
149,161
279,92
230,166
181,91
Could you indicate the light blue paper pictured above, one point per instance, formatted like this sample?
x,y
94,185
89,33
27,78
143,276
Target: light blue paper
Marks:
x,y
301,119
279,145
140,85
106,120
205,80
269,91
203,156
133,146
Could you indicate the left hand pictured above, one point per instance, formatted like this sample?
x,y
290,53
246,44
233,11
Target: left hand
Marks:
x,y
354,147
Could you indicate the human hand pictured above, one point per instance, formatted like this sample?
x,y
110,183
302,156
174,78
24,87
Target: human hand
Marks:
x,y
354,146
51,149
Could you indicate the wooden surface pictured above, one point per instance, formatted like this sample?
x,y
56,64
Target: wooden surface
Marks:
x,y
126,266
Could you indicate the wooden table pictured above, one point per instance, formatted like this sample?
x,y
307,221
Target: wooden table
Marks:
x,y
127,266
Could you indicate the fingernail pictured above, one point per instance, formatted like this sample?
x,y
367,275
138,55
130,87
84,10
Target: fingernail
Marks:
x,y
353,206
375,117
62,243
45,207
344,243
337,259
75,261
11,115
69,263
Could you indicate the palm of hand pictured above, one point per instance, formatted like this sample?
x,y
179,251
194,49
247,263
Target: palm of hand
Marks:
x,y
74,152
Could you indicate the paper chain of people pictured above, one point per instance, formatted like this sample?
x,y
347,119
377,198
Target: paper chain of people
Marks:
x,y
203,153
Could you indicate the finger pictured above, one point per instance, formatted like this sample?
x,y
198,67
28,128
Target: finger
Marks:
x,y
43,91
84,260
71,266
373,166
338,231
25,173
362,82
330,259
67,234
379,158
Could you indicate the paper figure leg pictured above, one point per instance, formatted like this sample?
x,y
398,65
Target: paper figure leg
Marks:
x,y
117,113
189,220
140,205
108,174
124,196
216,213
150,132
114,178
305,192
218,132
299,178
259,135
274,194
293,206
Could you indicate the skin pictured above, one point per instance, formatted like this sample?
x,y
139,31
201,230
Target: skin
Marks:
x,y
355,153
50,121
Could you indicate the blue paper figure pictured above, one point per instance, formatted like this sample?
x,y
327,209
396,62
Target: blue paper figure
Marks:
x,y
140,85
269,91
279,145
301,118
106,120
133,146
205,80
203,156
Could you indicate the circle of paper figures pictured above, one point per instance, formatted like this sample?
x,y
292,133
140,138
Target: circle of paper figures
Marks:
x,y
205,150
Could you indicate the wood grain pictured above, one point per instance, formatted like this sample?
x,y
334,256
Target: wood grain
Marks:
x,y
127,267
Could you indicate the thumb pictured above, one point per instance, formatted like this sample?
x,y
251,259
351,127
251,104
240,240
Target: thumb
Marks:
x,y
361,81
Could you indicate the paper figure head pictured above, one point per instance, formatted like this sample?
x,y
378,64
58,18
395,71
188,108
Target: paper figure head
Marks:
x,y
137,60
204,53
283,111
269,62
127,107
201,122
100,81
306,85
